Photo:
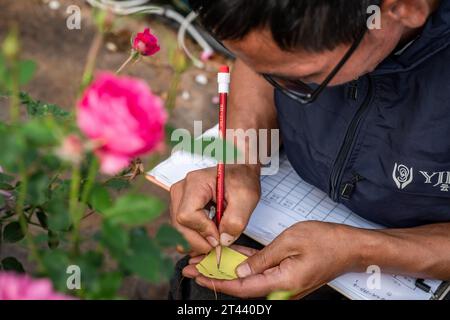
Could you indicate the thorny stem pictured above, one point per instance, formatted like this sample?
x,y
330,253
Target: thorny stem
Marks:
x,y
134,56
22,217
91,60
79,208
73,205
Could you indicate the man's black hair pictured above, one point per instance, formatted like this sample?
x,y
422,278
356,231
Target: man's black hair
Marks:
x,y
313,25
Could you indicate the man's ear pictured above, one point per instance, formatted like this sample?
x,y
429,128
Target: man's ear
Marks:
x,y
410,13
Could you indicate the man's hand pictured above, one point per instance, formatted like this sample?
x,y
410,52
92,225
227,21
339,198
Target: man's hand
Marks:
x,y
190,196
303,258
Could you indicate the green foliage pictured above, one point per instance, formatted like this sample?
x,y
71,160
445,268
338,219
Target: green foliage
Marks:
x,y
11,264
132,209
37,189
51,197
55,263
13,232
39,109
117,184
170,237
25,72
144,257
115,238
100,199
57,208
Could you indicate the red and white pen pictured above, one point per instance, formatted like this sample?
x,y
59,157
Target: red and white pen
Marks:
x,y
223,80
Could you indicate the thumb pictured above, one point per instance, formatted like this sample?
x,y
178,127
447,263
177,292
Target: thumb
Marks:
x,y
265,259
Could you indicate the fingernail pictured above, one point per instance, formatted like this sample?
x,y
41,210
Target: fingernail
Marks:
x,y
212,241
226,239
243,270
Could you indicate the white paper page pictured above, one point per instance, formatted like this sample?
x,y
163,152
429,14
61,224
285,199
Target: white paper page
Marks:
x,y
287,199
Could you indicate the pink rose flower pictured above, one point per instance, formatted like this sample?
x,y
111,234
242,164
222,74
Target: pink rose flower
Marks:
x,y
22,287
146,43
123,115
71,149
206,55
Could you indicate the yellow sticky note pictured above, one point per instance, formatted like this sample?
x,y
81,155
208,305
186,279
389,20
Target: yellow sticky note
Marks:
x,y
229,261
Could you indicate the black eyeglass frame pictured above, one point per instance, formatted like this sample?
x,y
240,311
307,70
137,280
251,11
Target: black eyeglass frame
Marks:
x,y
307,98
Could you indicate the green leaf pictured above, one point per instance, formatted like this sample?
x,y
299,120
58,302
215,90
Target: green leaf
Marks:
x,y
6,178
13,146
37,189
90,264
39,132
51,162
27,68
53,239
12,264
107,286
57,208
117,184
144,258
13,232
115,238
42,218
99,198
167,236
40,239
37,108
168,134
58,215
56,263
134,209
6,186
2,201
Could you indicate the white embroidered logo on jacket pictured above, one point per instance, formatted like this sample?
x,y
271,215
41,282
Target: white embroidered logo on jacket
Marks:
x,y
402,175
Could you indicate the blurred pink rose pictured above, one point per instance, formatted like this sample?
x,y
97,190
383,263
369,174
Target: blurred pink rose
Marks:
x,y
146,43
71,149
22,287
206,55
124,116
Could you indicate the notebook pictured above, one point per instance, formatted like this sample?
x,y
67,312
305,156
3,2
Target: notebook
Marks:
x,y
287,199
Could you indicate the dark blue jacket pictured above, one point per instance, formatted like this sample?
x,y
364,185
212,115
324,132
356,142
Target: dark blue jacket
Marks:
x,y
383,152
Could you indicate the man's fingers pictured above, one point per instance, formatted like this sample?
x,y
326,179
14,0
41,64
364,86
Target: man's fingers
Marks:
x,y
197,259
244,250
235,219
188,200
199,221
241,194
190,271
196,241
255,286
191,211
262,260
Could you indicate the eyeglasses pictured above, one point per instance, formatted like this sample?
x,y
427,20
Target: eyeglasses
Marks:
x,y
304,93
